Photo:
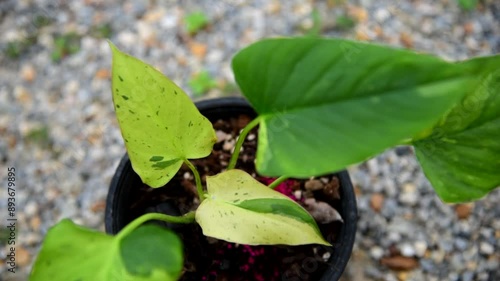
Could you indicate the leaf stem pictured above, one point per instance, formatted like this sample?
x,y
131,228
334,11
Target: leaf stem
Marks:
x,y
199,187
187,218
241,139
277,181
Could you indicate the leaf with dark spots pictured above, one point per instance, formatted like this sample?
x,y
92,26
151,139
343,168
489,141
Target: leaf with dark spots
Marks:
x,y
288,222
149,92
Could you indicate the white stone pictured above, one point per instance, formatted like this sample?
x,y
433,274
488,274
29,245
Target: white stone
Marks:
x,y
381,15
31,208
420,248
376,252
486,248
407,250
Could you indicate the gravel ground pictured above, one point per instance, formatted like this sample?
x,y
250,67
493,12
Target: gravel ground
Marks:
x,y
58,128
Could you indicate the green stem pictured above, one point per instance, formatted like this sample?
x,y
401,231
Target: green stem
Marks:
x,y
187,218
199,187
239,143
277,181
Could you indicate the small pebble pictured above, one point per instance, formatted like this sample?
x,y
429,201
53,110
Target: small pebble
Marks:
x,y
420,248
464,210
23,256
376,252
28,73
314,185
486,248
376,202
407,250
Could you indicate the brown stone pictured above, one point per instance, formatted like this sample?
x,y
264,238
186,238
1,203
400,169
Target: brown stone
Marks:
x,y
357,191
314,185
362,36
11,141
402,276
22,95
23,256
35,223
331,189
468,28
199,50
98,206
28,73
295,185
463,211
243,120
359,13
406,40
103,73
273,7
154,15
400,262
379,32
377,201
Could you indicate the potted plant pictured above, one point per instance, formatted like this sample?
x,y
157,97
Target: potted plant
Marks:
x,y
337,102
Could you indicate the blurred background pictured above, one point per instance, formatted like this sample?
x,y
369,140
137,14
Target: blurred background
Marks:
x,y
58,129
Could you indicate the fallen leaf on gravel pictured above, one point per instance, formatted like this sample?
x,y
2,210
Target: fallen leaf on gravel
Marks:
x,y
400,263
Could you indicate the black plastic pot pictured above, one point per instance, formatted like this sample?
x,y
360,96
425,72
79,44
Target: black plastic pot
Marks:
x,y
125,179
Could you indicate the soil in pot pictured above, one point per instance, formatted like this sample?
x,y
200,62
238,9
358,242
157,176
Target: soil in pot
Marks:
x,y
210,259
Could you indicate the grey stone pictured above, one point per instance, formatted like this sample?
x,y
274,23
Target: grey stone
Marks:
x,y
461,244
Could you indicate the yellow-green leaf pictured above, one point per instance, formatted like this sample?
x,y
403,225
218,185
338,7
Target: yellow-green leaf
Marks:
x,y
240,209
159,123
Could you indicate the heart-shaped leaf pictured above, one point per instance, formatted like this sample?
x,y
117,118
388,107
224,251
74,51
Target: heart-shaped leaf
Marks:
x,y
461,156
159,123
240,209
328,103
71,252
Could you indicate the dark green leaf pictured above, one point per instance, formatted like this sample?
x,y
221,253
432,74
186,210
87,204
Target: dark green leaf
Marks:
x,y
329,103
461,156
